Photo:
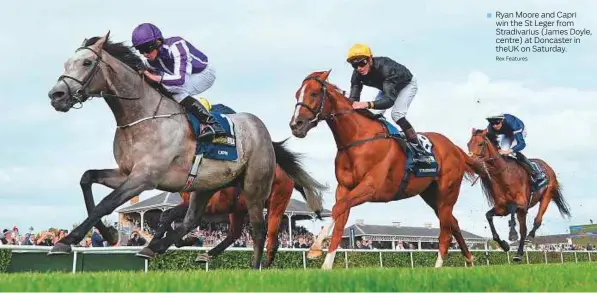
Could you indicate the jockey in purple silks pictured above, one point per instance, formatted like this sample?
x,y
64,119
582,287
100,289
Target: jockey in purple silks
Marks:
x,y
180,68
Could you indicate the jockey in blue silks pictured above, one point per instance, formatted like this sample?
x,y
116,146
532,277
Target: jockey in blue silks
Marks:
x,y
512,133
180,68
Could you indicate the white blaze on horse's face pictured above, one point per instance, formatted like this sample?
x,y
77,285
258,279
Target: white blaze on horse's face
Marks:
x,y
301,99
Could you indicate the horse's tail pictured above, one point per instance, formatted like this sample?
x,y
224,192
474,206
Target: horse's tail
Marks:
x,y
559,200
310,188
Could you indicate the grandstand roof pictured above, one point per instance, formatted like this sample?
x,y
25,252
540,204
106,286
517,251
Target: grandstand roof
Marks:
x,y
411,234
166,200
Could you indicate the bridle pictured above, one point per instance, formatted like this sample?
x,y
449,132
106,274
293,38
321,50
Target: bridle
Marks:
x,y
81,95
317,112
484,160
319,116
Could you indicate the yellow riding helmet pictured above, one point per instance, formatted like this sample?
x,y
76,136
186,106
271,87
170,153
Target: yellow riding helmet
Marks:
x,y
205,103
358,50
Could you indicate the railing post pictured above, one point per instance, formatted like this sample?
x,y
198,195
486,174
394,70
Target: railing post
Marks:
x,y
380,260
345,259
575,258
508,256
304,260
589,252
487,256
74,270
562,256
412,261
545,255
146,265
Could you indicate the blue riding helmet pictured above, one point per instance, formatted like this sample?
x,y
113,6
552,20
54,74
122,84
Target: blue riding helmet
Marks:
x,y
145,33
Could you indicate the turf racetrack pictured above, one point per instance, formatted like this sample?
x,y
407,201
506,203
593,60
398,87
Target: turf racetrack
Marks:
x,y
551,277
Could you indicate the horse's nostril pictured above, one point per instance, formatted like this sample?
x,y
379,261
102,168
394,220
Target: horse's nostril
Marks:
x,y
57,94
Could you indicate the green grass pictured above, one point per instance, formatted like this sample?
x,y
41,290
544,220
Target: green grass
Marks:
x,y
550,277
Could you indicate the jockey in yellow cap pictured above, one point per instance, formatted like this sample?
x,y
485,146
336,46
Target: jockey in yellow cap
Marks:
x,y
396,84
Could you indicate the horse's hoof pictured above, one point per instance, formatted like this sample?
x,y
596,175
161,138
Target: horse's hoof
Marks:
x,y
145,253
60,248
505,246
471,261
517,258
314,253
203,258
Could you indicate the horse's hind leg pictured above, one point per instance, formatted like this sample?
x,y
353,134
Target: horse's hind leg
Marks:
x,y
542,209
443,206
111,178
192,219
165,225
256,187
235,229
522,221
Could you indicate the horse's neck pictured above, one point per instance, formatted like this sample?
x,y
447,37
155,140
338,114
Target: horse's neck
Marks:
x,y
349,126
497,165
145,99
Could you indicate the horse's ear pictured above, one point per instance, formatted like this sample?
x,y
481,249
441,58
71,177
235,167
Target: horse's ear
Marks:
x,y
326,74
474,131
84,42
100,43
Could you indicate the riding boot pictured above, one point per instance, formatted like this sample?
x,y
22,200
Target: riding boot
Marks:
x,y
413,140
411,137
212,127
536,176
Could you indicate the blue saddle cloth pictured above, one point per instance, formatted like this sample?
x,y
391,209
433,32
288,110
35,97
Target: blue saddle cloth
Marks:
x,y
427,168
222,147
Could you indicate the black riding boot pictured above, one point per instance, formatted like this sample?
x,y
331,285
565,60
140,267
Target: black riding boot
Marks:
x,y
528,166
196,108
411,136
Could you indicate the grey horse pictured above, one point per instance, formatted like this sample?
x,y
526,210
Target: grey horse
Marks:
x,y
154,145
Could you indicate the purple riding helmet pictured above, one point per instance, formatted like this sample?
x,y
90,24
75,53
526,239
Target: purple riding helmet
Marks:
x,y
146,34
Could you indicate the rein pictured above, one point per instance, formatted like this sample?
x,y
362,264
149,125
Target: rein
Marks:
x,y
484,160
82,94
319,116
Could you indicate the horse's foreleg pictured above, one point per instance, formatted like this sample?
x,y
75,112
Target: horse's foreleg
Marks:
x,y
136,183
344,202
316,249
278,202
522,221
489,216
513,236
235,229
111,178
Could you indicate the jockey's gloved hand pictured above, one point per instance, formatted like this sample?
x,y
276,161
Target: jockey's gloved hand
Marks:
x,y
140,68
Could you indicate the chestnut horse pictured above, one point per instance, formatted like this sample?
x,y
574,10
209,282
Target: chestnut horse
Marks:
x,y
231,201
507,187
371,164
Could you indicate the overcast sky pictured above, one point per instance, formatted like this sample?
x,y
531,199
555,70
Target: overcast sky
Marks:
x,y
262,50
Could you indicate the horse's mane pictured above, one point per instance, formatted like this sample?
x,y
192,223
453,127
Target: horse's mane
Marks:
x,y
363,112
127,56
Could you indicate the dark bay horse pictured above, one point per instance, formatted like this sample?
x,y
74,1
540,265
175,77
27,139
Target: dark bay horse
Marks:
x,y
371,164
155,145
233,202
507,187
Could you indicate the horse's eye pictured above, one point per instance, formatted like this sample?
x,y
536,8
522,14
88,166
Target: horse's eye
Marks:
x,y
481,144
313,94
87,62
